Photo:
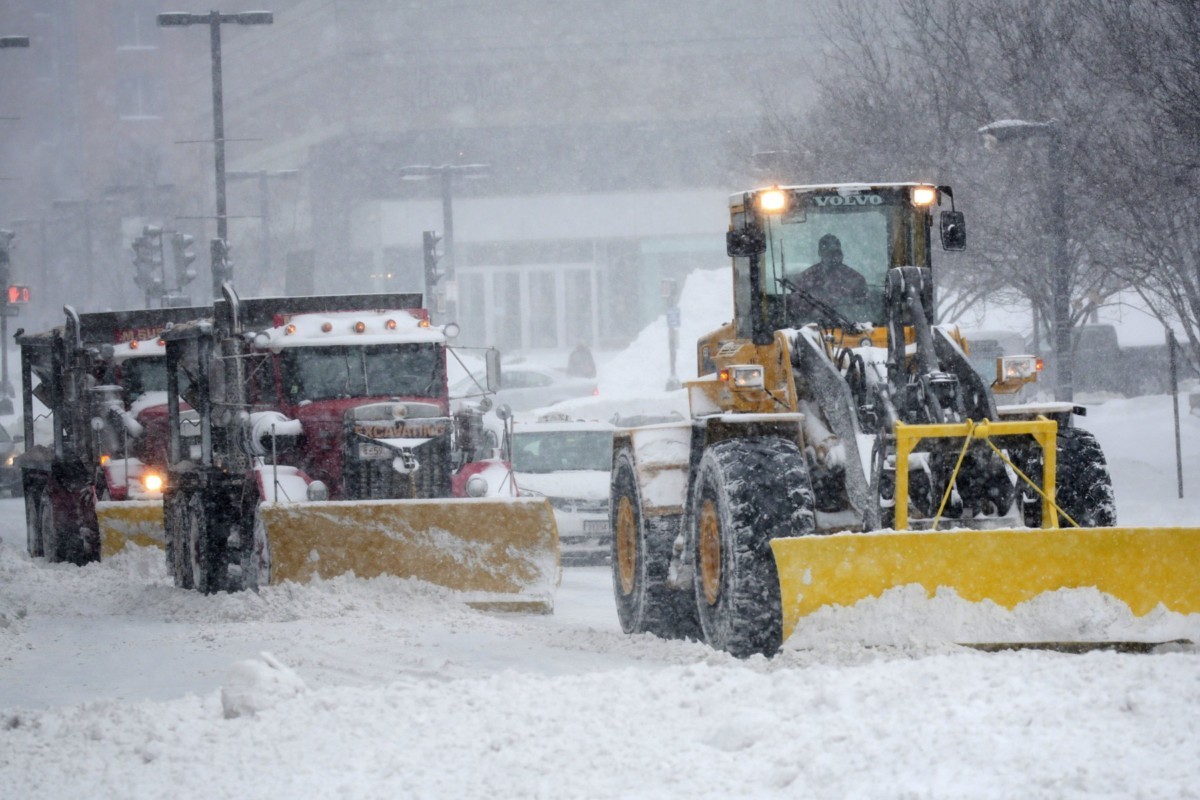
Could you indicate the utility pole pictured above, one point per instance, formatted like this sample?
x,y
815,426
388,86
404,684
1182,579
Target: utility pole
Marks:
x,y
221,266
6,238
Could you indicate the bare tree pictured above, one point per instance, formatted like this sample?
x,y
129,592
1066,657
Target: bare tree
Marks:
x,y
1147,56
903,99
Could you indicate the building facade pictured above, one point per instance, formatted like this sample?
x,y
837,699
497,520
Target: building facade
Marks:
x,y
604,137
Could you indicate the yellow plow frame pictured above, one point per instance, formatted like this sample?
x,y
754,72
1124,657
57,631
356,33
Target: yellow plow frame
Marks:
x,y
1142,567
503,553
125,522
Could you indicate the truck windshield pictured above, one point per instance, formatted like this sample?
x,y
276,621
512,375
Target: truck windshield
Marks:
x,y
321,373
556,451
141,375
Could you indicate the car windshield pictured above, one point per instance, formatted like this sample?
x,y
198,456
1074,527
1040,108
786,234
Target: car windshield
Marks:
x,y
555,451
321,373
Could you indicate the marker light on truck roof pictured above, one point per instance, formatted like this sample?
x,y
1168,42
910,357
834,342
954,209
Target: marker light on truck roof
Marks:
x,y
772,201
360,326
924,195
326,327
133,344
290,329
390,324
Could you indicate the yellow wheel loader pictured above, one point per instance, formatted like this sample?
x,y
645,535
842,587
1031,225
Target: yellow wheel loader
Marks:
x,y
318,439
841,444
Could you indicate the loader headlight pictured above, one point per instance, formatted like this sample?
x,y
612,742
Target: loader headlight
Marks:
x,y
923,195
772,201
477,486
152,482
1018,367
743,376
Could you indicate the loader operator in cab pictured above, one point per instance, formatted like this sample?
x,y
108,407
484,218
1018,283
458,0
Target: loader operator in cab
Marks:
x,y
830,280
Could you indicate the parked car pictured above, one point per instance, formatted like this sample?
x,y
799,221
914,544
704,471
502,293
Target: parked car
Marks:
x,y
568,462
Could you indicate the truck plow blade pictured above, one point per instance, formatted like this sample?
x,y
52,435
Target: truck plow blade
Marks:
x,y
137,522
502,553
1142,567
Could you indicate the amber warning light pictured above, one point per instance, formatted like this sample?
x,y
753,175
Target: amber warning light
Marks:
x,y
18,295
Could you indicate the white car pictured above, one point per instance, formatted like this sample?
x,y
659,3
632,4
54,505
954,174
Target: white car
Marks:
x,y
569,462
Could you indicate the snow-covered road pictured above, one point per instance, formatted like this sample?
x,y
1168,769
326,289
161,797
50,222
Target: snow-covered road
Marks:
x,y
115,684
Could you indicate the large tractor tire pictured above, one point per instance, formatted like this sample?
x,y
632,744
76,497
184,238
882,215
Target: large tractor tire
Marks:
x,y
47,524
33,522
641,560
176,522
746,492
198,545
248,550
1083,485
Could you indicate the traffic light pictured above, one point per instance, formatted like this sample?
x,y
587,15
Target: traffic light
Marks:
x,y
431,240
6,246
222,264
18,295
148,262
184,256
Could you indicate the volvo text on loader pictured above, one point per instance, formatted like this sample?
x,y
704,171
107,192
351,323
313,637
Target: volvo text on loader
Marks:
x,y
96,481
836,431
325,444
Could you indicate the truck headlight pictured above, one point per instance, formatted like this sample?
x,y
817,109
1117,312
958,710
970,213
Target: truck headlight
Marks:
x,y
477,486
317,490
152,482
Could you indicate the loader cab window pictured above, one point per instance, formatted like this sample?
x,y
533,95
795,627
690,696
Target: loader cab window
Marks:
x,y
835,250
323,373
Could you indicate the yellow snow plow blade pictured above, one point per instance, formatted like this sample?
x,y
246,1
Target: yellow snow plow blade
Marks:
x,y
503,553
1143,567
137,522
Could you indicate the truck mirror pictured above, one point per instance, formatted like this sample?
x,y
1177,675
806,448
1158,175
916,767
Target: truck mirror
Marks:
x,y
954,230
493,369
747,241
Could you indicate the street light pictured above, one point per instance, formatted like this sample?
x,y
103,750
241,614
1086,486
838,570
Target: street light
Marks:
x,y
447,172
264,207
1060,277
214,20
6,388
